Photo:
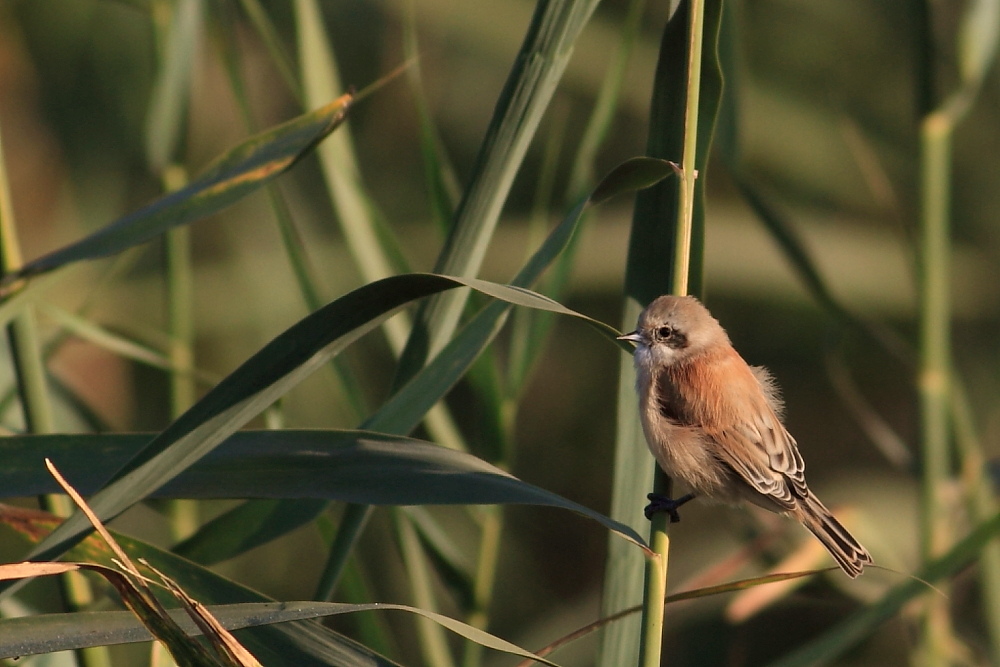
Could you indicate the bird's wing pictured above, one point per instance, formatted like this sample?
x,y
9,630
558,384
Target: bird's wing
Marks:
x,y
765,455
744,451
782,451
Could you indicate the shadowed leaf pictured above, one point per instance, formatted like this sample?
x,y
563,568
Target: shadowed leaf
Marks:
x,y
350,466
53,632
60,632
297,644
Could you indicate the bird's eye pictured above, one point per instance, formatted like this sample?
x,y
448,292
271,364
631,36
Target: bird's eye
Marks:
x,y
664,332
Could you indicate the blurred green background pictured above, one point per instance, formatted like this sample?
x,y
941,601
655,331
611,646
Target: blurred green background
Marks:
x,y
827,98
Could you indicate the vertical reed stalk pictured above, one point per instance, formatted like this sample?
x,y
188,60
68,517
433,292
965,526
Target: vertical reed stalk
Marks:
x,y
180,329
981,505
486,569
32,387
935,363
659,539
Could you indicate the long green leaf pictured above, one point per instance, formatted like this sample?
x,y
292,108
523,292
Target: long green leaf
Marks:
x,y
244,169
60,632
354,210
350,466
271,38
441,182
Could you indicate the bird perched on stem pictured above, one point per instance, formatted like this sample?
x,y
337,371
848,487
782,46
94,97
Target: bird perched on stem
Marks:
x,y
714,422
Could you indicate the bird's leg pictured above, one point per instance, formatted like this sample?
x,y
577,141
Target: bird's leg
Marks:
x,y
658,503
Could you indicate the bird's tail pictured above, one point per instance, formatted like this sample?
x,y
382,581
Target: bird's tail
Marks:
x,y
847,551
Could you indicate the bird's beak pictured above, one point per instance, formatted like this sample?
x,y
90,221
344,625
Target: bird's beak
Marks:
x,y
634,337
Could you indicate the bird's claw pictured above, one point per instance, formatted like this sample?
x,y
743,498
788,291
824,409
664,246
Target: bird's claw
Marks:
x,y
660,503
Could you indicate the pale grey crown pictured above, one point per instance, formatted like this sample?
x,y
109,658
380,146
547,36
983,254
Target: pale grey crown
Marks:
x,y
678,327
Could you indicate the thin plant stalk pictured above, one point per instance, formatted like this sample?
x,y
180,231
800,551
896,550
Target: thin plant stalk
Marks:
x,y
688,172
934,372
433,641
180,322
282,61
981,504
977,42
657,569
36,404
934,378
180,329
491,526
179,31
180,353
352,523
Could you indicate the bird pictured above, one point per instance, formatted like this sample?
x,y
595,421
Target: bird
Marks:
x,y
714,422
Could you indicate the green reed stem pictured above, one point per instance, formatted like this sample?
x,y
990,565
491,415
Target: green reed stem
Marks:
x,y
36,405
933,375
659,539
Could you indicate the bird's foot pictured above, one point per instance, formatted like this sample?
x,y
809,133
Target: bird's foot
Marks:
x,y
658,503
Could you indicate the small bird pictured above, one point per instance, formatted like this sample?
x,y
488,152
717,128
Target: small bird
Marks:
x,y
714,422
